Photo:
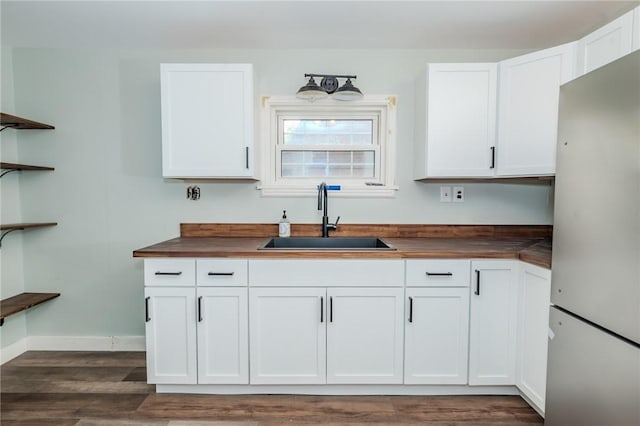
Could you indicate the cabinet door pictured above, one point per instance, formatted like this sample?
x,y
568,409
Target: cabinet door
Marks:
x,y
171,335
437,335
606,44
207,120
461,120
223,334
287,335
365,335
533,325
492,334
528,110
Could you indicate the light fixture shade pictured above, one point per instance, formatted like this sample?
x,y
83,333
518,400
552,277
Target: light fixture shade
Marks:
x,y
311,91
347,92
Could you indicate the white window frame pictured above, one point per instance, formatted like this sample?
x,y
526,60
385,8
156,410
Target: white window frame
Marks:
x,y
379,108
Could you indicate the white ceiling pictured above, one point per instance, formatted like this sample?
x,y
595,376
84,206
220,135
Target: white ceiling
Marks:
x,y
302,23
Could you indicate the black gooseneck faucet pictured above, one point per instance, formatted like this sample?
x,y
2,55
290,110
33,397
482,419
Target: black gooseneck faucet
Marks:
x,y
323,198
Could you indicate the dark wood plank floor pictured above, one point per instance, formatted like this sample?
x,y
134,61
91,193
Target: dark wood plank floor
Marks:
x,y
109,388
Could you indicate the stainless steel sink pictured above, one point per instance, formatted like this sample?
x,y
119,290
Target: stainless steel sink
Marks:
x,y
333,243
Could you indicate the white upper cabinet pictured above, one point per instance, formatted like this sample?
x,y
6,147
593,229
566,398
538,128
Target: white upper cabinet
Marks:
x,y
207,120
606,44
458,136
528,110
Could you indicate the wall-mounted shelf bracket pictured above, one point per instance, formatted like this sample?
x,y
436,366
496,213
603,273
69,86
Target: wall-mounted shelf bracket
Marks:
x,y
21,227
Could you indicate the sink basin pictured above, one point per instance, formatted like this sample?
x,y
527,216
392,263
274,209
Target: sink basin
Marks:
x,y
318,243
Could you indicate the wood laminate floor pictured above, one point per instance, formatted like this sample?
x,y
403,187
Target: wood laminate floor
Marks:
x,y
109,388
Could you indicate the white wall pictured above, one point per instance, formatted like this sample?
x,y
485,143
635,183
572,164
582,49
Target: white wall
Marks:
x,y
109,198
11,270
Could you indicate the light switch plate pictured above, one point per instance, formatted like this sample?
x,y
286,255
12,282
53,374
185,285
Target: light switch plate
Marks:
x,y
445,194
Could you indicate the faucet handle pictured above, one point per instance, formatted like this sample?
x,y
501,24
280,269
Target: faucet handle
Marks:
x,y
336,222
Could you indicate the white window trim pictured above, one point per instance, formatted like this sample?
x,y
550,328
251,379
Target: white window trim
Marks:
x,y
273,106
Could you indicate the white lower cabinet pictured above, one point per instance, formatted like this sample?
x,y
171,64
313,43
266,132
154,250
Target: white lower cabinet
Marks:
x,y
171,335
288,335
318,335
493,318
365,335
437,332
222,336
533,326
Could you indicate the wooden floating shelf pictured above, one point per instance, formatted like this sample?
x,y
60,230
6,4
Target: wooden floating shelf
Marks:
x,y
22,302
14,122
11,227
23,226
15,167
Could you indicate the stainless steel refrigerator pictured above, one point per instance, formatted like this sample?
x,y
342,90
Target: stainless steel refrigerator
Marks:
x,y
593,375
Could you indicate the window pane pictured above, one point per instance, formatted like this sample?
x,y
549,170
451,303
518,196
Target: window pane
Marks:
x,y
360,164
328,132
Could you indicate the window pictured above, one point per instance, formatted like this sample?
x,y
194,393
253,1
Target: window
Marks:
x,y
351,144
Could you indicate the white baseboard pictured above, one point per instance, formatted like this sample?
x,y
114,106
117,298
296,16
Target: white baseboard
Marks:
x,y
72,343
13,350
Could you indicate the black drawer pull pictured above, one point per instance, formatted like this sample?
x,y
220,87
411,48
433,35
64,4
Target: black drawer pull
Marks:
x,y
477,292
147,318
220,274
321,309
331,309
175,274
411,309
439,274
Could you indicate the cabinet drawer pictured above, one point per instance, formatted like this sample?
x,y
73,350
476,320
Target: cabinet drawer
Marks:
x,y
169,272
326,272
221,272
438,273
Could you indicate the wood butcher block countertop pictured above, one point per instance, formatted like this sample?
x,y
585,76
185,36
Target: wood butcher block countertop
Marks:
x,y
530,243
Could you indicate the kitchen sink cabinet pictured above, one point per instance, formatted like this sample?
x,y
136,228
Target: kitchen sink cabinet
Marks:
x,y
493,322
317,335
456,137
533,326
207,120
528,110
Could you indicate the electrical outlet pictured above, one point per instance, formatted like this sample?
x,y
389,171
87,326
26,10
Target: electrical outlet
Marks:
x,y
445,194
458,194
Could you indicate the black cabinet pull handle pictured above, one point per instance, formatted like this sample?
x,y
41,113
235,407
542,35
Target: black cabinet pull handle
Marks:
x,y
221,274
331,309
321,309
246,157
147,318
169,273
439,274
200,309
493,157
411,309
477,292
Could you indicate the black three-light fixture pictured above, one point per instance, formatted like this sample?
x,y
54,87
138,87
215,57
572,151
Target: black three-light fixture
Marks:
x,y
329,85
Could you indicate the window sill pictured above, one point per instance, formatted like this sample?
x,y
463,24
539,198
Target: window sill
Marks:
x,y
344,192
